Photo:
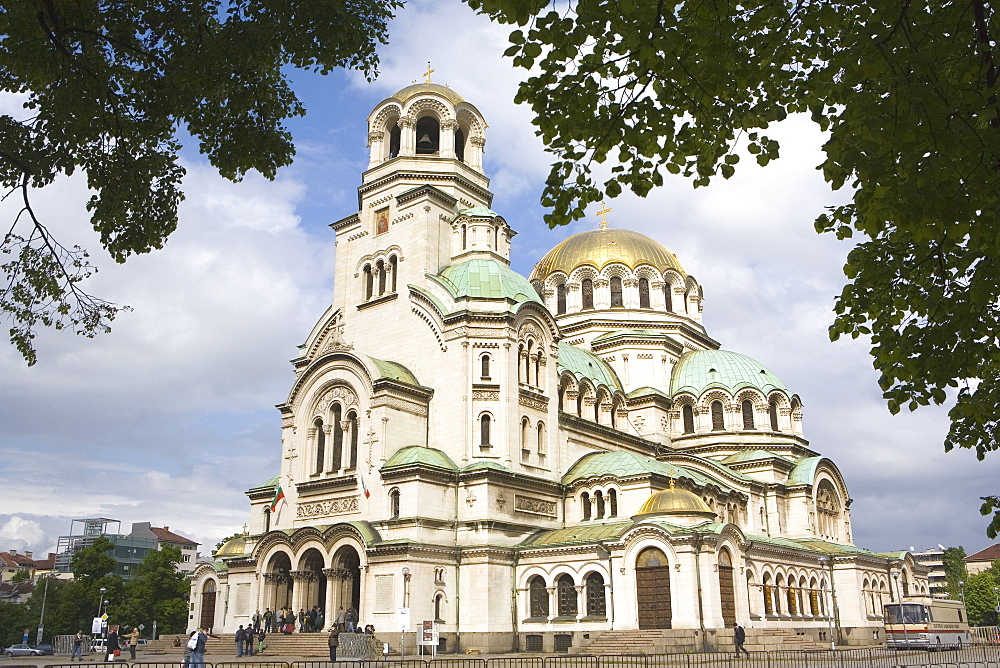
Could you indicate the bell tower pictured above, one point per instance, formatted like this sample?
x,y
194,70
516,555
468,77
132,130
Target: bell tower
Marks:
x,y
425,168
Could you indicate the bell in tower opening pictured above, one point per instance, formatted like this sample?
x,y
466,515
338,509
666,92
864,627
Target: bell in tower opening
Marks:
x,y
428,135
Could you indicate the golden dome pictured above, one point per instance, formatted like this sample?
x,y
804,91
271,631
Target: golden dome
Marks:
x,y
599,248
674,501
427,87
233,547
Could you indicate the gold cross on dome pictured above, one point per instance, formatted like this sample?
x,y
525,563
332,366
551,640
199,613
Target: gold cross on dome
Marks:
x,y
603,214
428,73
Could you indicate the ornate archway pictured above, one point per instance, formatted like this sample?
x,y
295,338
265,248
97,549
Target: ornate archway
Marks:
x,y
208,593
278,582
652,585
311,579
346,580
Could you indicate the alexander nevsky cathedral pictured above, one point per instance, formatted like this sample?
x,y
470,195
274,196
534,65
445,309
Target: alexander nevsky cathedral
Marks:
x,y
535,464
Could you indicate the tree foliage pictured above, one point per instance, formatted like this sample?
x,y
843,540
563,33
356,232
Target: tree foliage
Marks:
x,y
954,570
109,88
157,593
907,94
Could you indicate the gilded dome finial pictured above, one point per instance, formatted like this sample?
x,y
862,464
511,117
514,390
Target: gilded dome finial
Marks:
x,y
427,74
603,214
671,483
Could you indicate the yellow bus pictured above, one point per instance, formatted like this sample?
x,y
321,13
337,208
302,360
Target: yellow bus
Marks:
x,y
928,623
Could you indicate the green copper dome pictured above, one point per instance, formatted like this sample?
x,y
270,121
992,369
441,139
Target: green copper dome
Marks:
x,y
487,279
702,370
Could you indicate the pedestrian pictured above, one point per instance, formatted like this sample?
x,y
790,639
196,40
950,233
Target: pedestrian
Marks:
x,y
320,619
341,617
302,620
133,640
189,646
351,617
240,637
24,639
77,646
268,619
333,641
197,659
260,641
256,621
289,623
740,637
248,641
111,645
370,629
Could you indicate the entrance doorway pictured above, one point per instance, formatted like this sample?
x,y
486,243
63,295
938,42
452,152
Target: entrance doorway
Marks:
x,y
652,585
347,563
208,605
727,593
315,584
278,580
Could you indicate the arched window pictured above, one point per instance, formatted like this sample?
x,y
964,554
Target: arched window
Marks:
x,y
772,411
438,600
587,291
368,282
496,239
585,502
320,445
718,419
394,503
336,456
616,292
538,598
541,438
747,407
352,419
525,434
599,504
668,297
612,503
793,608
394,141
768,592
460,144
428,136
579,403
484,430
687,413
828,510
465,237
267,520
643,293
560,299
380,270
527,363
485,370
596,603
393,269
566,592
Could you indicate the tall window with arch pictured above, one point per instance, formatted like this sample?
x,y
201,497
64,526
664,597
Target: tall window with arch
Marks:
x,y
540,442
267,519
394,503
643,293
828,510
337,454
438,608
687,415
668,297
599,504
587,293
566,595
585,503
394,136
525,434
369,281
747,407
352,421
459,144
428,136
612,503
718,417
617,299
560,299
596,601
484,430
772,412
465,236
538,598
380,270
320,445
484,366
393,270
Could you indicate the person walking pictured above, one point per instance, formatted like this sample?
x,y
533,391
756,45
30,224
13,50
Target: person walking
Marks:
x,y
77,646
111,644
197,659
333,641
256,621
248,641
352,617
268,619
740,637
260,641
133,640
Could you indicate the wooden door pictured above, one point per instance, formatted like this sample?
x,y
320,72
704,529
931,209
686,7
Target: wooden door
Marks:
x,y
727,595
208,610
653,593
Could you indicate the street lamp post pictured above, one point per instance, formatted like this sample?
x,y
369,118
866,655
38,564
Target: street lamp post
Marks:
x,y
406,584
100,604
902,613
961,590
829,612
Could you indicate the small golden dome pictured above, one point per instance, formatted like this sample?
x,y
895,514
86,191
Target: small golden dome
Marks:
x,y
233,547
674,501
426,87
599,248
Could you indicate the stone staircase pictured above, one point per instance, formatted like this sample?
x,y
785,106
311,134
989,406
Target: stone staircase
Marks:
x,y
676,641
307,645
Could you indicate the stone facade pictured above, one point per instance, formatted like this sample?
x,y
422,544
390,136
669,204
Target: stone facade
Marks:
x,y
533,462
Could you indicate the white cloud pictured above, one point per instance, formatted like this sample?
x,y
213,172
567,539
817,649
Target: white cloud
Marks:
x,y
18,533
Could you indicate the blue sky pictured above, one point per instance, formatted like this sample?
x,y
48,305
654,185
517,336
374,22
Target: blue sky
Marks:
x,y
171,417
